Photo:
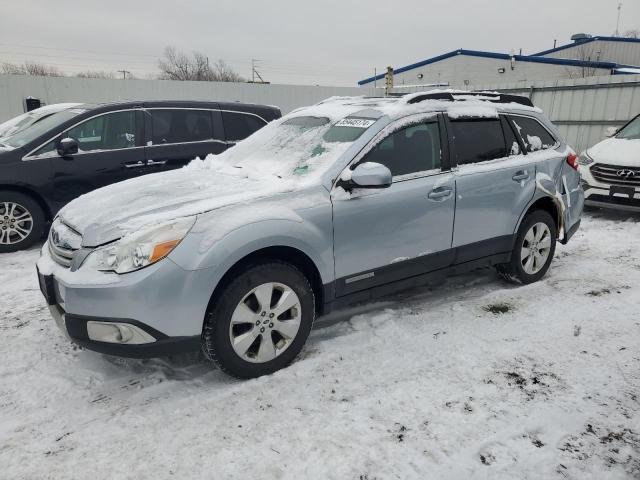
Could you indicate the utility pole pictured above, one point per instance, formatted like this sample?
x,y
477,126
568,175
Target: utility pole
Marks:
x,y
254,71
124,73
618,21
375,80
388,80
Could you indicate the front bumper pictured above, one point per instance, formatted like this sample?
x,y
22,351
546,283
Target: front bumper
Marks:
x,y
605,195
75,328
163,304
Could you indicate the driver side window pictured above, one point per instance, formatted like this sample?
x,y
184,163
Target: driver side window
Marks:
x,y
409,150
107,132
112,131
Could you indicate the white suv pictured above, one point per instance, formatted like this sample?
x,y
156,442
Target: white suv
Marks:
x,y
611,170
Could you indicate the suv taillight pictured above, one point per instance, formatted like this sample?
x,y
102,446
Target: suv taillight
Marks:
x,y
572,160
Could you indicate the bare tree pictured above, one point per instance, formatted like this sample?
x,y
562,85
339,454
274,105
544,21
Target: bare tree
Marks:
x,y
177,65
224,73
12,69
31,68
586,53
632,33
42,70
96,74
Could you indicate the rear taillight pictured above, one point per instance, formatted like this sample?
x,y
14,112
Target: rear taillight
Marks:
x,y
572,160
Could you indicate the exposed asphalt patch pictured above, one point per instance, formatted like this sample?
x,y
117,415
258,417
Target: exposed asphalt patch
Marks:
x,y
498,308
598,293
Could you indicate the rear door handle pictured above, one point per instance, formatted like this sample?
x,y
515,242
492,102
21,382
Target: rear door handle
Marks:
x,y
440,193
138,164
156,162
521,175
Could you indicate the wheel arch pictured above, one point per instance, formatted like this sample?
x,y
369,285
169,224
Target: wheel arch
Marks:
x,y
288,254
547,204
34,195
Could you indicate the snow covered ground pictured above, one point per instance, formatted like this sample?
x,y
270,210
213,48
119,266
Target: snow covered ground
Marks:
x,y
472,379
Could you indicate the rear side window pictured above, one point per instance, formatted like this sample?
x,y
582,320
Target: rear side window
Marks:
x,y
181,126
534,136
410,150
239,126
478,140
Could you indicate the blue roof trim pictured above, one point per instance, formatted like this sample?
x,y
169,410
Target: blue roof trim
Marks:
x,y
501,56
588,40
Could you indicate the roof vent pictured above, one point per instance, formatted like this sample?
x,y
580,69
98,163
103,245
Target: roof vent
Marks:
x,y
580,37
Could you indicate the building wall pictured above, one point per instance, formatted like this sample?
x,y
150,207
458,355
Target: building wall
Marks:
x,y
14,88
627,53
479,70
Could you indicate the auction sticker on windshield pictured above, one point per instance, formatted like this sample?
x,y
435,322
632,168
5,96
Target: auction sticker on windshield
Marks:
x,y
355,122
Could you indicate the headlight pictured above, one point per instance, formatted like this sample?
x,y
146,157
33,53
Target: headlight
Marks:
x,y
585,159
140,249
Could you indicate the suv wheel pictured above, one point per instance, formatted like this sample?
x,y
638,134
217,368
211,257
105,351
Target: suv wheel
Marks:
x,y
533,251
21,221
260,321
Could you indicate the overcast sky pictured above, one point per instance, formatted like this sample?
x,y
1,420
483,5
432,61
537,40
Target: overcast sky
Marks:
x,y
326,42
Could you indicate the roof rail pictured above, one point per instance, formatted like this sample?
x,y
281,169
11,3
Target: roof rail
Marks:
x,y
492,97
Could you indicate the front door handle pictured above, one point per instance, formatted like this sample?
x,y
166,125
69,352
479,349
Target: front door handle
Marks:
x,y
138,164
440,193
520,176
156,162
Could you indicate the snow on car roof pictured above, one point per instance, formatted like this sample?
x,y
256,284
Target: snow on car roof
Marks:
x,y
465,103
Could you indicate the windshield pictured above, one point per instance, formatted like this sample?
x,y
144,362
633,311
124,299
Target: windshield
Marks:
x,y
631,131
298,146
17,124
29,133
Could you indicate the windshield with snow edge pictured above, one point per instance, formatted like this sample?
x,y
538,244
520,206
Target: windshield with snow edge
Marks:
x,y
32,132
631,131
298,146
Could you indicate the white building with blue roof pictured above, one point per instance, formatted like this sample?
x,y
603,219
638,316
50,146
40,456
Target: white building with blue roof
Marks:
x,y
586,57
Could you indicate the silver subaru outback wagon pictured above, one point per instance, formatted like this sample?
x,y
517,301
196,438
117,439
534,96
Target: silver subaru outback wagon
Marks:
x,y
333,204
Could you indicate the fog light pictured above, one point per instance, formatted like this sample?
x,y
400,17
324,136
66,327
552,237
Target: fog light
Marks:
x,y
112,332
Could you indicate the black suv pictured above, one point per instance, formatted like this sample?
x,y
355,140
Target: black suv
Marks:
x,y
88,146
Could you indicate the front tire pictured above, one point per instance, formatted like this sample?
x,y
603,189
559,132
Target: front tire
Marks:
x,y
533,249
260,321
22,221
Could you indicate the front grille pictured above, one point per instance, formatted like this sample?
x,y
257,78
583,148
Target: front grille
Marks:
x,y
630,202
61,256
63,243
616,175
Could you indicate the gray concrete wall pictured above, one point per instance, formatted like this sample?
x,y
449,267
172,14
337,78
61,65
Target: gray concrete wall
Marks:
x,y
14,88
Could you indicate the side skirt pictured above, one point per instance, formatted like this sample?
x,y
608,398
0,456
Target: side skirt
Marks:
x,y
343,294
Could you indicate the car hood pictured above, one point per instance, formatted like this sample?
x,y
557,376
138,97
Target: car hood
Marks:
x,y
111,212
616,151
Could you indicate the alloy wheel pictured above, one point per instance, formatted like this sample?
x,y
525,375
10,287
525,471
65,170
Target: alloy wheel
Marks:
x,y
536,247
265,322
16,223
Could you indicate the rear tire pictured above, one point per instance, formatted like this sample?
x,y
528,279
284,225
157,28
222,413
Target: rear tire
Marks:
x,y
22,221
259,322
533,249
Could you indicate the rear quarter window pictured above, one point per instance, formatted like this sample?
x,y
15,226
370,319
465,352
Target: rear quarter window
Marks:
x,y
238,126
478,140
534,136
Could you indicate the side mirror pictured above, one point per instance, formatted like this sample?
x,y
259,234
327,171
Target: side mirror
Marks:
x,y
611,131
371,175
67,147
